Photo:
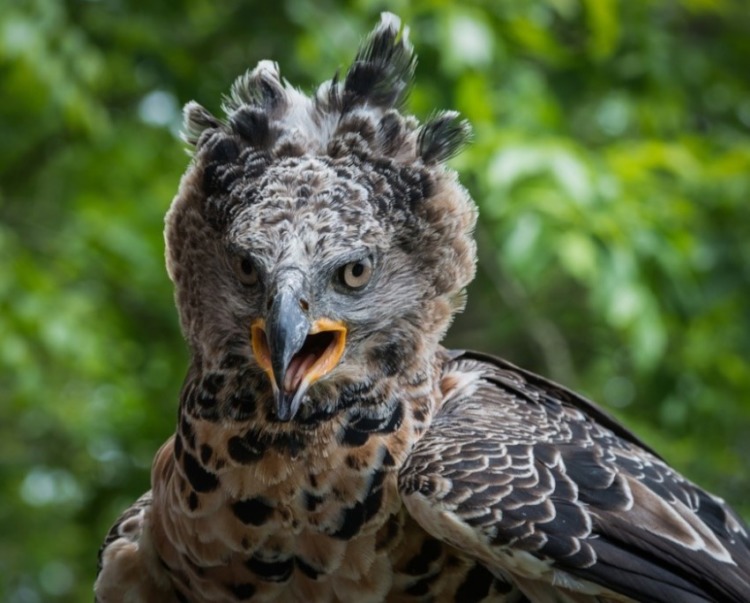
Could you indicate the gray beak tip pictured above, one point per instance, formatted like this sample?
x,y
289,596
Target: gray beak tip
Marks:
x,y
287,405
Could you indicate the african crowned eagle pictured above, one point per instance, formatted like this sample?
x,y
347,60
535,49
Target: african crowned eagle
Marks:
x,y
328,448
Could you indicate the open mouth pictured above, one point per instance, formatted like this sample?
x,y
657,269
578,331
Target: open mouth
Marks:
x,y
320,353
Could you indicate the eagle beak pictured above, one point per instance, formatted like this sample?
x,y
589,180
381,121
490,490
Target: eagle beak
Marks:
x,y
294,352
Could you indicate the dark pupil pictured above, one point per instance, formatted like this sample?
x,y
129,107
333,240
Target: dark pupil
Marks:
x,y
246,266
358,269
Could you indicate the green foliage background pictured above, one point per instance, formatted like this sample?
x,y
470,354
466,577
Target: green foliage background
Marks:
x,y
611,162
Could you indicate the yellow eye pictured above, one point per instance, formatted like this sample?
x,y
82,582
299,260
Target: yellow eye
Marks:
x,y
356,275
246,271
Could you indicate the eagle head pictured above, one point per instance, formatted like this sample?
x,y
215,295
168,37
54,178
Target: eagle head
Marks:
x,y
321,239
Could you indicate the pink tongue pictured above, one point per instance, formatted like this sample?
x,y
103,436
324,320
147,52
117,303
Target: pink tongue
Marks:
x,y
298,367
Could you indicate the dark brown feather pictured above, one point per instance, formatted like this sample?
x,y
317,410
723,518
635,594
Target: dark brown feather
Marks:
x,y
566,484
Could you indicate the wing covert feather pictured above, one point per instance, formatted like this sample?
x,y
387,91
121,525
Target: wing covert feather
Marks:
x,y
128,566
541,484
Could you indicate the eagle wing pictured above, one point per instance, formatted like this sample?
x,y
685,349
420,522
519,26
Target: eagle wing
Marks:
x,y
547,489
128,567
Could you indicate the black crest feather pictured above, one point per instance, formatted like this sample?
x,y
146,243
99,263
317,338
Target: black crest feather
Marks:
x,y
196,120
252,124
383,68
443,136
260,88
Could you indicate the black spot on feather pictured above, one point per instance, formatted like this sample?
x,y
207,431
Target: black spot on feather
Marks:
x,y
187,432
252,124
314,416
354,517
213,382
252,445
307,569
244,450
252,511
379,424
312,501
243,591
388,460
430,551
241,405
178,447
200,479
271,571
290,444
353,437
388,533
476,585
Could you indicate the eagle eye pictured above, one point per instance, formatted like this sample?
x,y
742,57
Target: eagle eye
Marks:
x,y
246,271
356,274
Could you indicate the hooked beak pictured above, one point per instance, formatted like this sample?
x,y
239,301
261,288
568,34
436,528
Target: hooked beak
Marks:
x,y
294,352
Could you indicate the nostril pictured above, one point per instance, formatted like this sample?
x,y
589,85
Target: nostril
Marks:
x,y
304,305
269,303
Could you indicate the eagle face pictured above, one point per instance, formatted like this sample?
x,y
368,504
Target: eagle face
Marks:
x,y
312,255
322,239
